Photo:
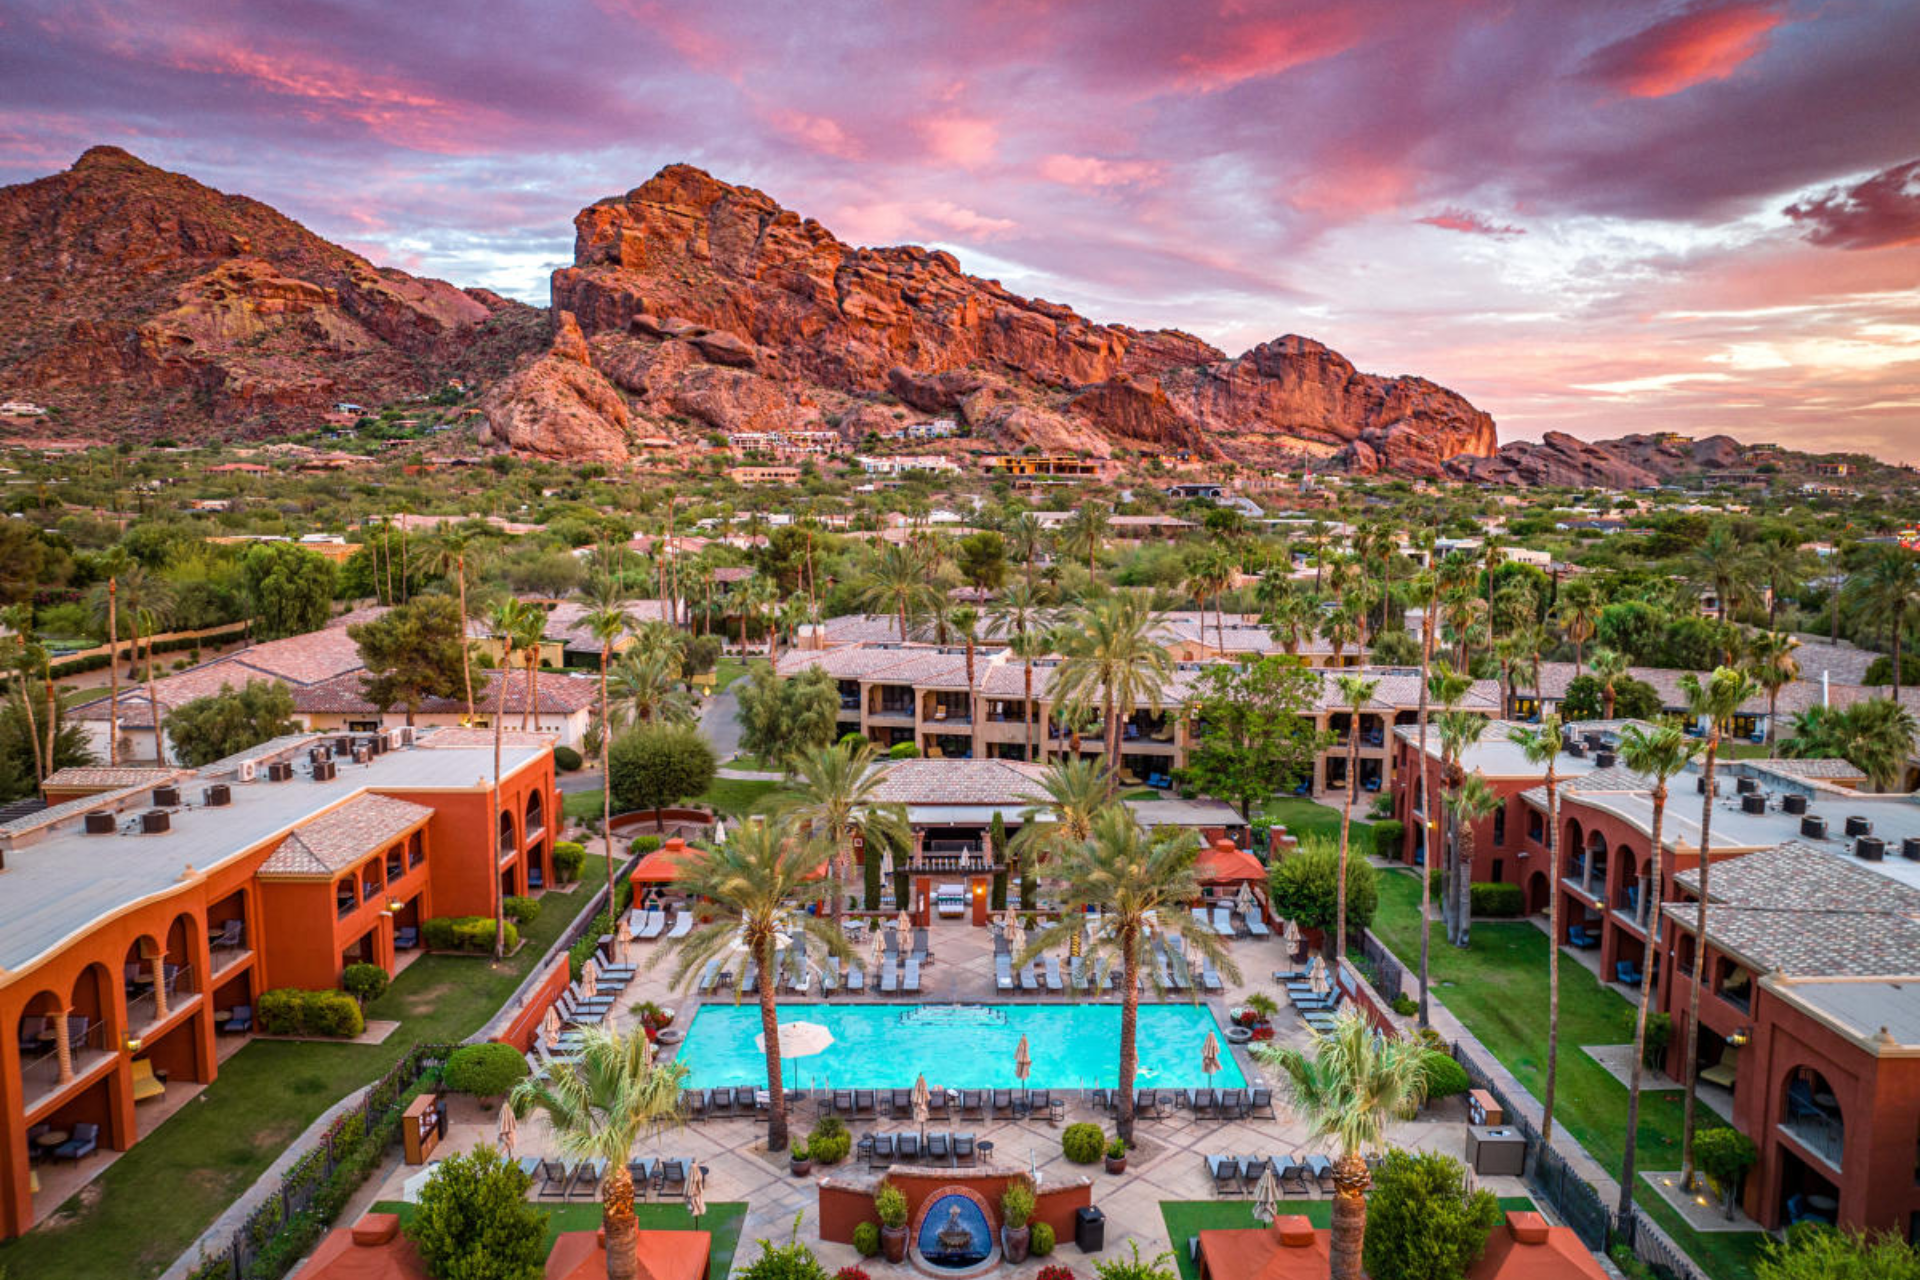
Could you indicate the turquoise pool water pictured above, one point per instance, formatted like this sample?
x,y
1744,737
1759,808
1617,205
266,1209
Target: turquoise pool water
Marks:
x,y
884,1046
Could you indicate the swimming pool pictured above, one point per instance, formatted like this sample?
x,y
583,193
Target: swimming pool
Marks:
x,y
884,1046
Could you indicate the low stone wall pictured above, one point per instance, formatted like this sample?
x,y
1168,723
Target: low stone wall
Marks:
x,y
524,1023
846,1202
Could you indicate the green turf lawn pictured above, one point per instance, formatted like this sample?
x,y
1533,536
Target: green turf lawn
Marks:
x,y
1188,1218
1498,989
723,1221
583,806
726,671
1303,817
733,797
137,1216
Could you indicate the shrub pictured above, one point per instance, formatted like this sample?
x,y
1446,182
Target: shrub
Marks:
x,y
289,1011
1158,1267
644,845
1405,1005
521,910
465,933
363,982
830,1142
789,1261
279,1011
1386,838
890,1205
655,764
1302,887
1725,1155
902,751
866,1239
1053,1270
1082,1143
1498,900
568,857
1016,1203
1117,1149
474,1220
1423,1220
566,759
853,741
483,1070
1445,1077
1040,1240
1659,1035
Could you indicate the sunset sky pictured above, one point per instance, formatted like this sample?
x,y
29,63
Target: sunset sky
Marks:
x,y
1585,216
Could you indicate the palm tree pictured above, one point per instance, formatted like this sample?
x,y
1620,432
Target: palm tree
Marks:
x,y
598,1104
19,619
607,620
1660,753
1427,586
508,621
1027,647
1543,746
1782,566
897,582
531,632
113,563
1875,735
1025,538
1290,620
835,797
1132,879
1888,592
1208,574
1578,610
1458,731
1471,801
1771,663
1355,693
1085,532
1445,686
1340,629
646,688
449,558
966,621
1609,666
1349,1089
1714,701
760,882
1112,655
1073,793
1722,563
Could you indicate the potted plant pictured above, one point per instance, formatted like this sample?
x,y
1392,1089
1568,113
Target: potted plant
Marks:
x,y
1016,1207
1262,1006
890,1206
799,1159
1117,1156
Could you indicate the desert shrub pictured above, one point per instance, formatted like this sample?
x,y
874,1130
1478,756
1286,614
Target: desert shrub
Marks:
x,y
790,1261
566,759
1386,838
289,1011
568,857
1405,1005
1040,1240
474,1220
890,1205
363,982
1083,1143
866,1239
521,910
830,1141
1158,1267
1016,1203
644,845
1445,1077
1498,900
484,1070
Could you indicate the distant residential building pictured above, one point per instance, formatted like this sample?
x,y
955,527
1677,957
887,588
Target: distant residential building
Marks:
x,y
1051,464
906,463
21,409
764,475
938,429
1832,468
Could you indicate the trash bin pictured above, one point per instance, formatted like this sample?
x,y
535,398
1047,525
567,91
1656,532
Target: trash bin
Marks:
x,y
1090,1229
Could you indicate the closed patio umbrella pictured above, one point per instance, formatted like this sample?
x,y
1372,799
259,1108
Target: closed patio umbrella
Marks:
x,y
622,940
509,1129
904,923
1022,1062
1320,982
696,1192
1291,936
1016,936
1210,1055
550,1028
876,952
1266,1195
921,1100
1244,899
589,979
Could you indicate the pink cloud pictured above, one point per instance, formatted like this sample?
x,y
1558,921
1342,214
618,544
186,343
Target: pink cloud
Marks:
x,y
1237,46
894,221
1881,211
1092,171
1455,219
1703,44
964,140
817,133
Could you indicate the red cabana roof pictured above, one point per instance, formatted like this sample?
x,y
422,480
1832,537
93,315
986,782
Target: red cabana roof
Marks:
x,y
1526,1248
664,865
1224,862
1288,1250
371,1249
664,1255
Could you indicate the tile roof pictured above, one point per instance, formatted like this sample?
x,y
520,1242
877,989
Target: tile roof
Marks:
x,y
107,778
339,837
1798,875
933,782
295,661
559,695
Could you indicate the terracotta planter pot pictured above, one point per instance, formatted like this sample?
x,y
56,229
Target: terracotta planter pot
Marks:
x,y
1013,1243
1116,1164
801,1168
893,1243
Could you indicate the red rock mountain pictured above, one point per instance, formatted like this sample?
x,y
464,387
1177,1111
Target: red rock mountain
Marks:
x,y
1558,460
706,301
138,302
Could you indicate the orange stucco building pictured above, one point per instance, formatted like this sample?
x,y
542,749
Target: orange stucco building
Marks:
x,y
146,905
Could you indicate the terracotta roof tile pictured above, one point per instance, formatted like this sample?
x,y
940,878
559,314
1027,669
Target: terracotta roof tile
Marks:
x,y
340,837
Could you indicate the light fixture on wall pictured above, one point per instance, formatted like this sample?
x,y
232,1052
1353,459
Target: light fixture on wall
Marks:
x,y
394,905
1741,1037
133,1044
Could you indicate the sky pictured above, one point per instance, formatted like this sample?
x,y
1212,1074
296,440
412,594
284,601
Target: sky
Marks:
x,y
1593,216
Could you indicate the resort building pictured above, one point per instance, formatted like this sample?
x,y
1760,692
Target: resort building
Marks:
x,y
147,910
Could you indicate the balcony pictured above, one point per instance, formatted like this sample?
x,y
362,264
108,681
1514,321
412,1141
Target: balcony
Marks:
x,y
1823,1135
395,869
889,709
143,1002
40,1078
343,904
946,856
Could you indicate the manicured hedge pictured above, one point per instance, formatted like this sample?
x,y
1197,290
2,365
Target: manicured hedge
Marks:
x,y
465,933
484,1070
566,759
522,910
568,858
1498,900
289,1011
1083,1143
1386,838
1445,1077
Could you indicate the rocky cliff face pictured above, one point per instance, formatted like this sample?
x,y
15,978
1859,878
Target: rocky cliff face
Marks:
x,y
134,300
1627,462
713,301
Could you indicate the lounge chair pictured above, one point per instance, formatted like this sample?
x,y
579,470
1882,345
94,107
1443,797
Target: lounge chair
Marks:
x,y
554,1179
1725,1071
881,1152
856,979
1223,921
1291,1175
910,984
1200,1101
890,975
864,1103
1256,926
896,1102
840,1102
937,1108
1200,921
652,924
693,1103
682,925
1210,979
1252,1169
908,1145
1041,1102
145,1083
1147,1106
1003,974
1224,1173
829,977
1231,1103
673,1176
641,1170
920,947
720,1103
1628,972
1003,1104
973,1104
1261,1102
1320,1169
750,981
939,1148
239,1019
1054,985
1077,976
586,1179
963,1149
709,978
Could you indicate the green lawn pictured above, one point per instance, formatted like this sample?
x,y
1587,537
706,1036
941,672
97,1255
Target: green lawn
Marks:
x,y
723,1221
733,797
726,671
1498,989
1303,817
138,1215
583,806
1188,1218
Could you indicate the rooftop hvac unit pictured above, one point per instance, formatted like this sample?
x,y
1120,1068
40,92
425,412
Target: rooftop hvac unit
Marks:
x,y
249,770
1700,785
100,824
1814,827
1746,786
1858,826
1753,803
1910,848
343,745
167,797
1870,848
1578,750
279,771
378,744
155,821
217,795
1793,803
1603,759
403,736
323,770
1596,740
320,753
361,755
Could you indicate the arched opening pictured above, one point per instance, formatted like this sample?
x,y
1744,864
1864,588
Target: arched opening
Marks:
x,y
36,1036
1811,1113
1596,877
1573,846
1538,892
536,815
508,845
1636,895
183,948
147,977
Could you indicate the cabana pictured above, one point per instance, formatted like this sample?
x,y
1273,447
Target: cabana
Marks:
x,y
664,1255
1523,1248
371,1249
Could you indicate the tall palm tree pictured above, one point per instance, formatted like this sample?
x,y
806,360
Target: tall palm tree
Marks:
x,y
1290,620
1723,563
836,797
1349,1088
1471,801
1339,629
1782,566
113,563
531,631
1888,593
18,618
1609,667
760,882
1028,647
1085,531
1771,663
1427,587
1073,793
966,623
1713,701
1578,612
1025,540
1543,745
607,619
449,558
507,621
646,687
1660,753
897,582
1114,657
1458,731
1445,686
1208,574
598,1103
1355,693
1132,879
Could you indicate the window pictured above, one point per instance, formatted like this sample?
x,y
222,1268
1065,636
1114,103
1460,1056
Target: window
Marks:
x,y
1499,827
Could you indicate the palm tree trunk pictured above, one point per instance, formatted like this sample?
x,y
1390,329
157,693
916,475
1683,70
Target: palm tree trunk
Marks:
x,y
1113,740
1026,708
33,724
1129,1048
493,867
113,670
606,787
1346,827
1773,703
46,676
466,666
1625,1212
1690,1044
153,705
1463,882
973,708
1347,1241
770,1032
623,1230
1427,827
1553,943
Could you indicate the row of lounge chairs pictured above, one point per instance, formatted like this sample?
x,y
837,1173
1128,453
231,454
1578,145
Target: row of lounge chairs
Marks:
x,y
896,976
559,1180
578,1010
1222,1104
1228,923
651,924
1297,1175
723,1103
950,1149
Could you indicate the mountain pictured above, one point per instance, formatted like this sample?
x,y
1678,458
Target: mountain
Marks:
x,y
1626,462
710,304
137,302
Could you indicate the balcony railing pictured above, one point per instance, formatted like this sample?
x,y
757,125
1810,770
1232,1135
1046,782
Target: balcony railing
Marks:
x,y
370,890
1824,1135
395,869
143,1010
40,1069
343,907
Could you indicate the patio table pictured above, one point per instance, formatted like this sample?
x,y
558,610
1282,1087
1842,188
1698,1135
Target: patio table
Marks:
x,y
51,1138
